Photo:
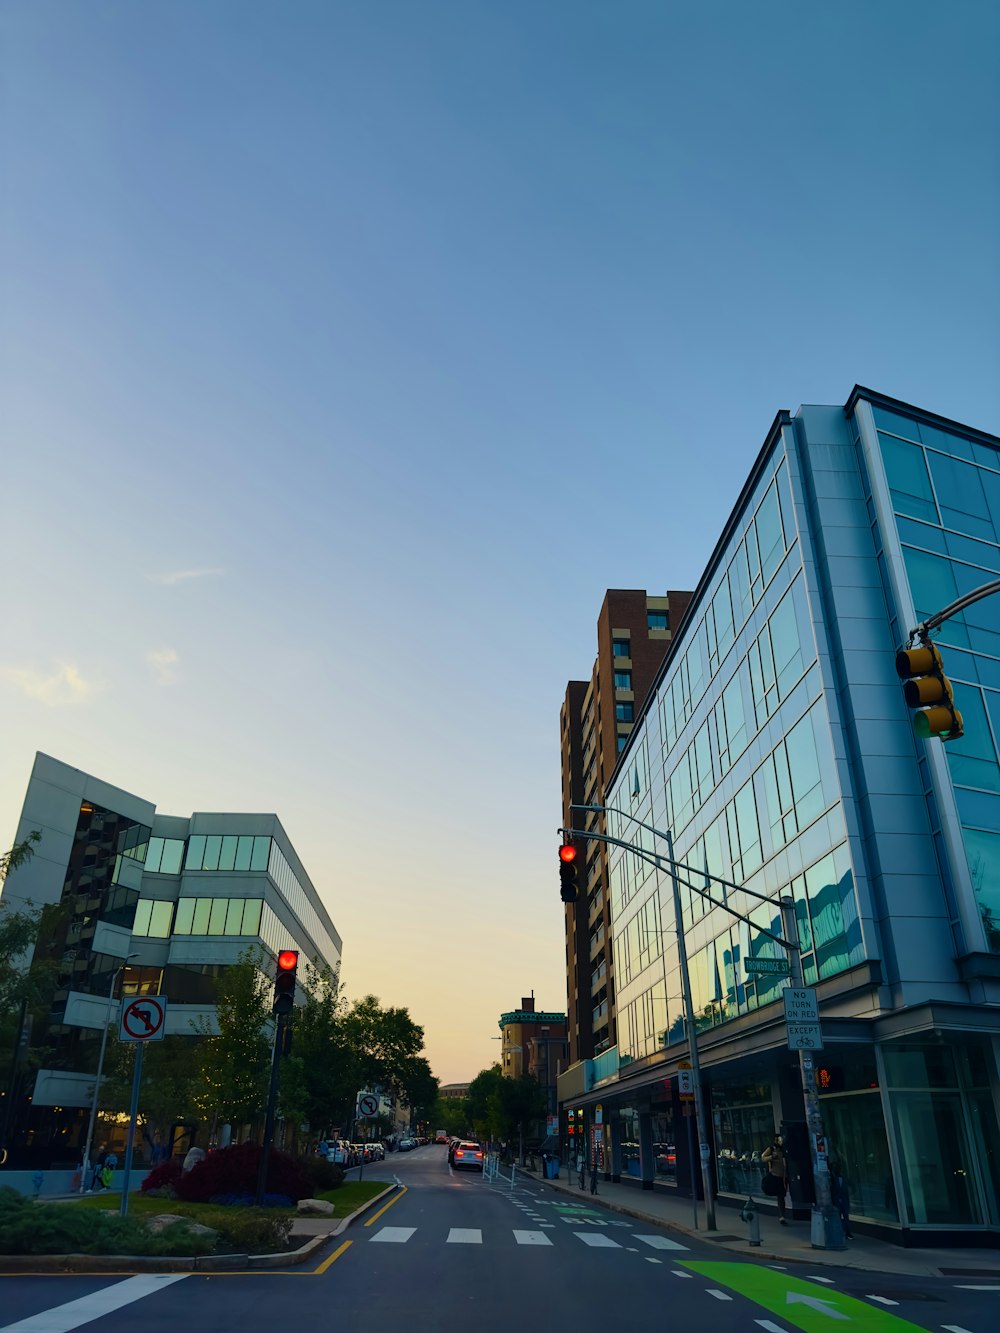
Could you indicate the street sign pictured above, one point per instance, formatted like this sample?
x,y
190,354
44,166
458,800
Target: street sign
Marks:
x,y
143,1018
773,966
367,1105
685,1085
801,1005
805,1037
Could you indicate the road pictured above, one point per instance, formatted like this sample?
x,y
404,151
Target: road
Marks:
x,y
450,1253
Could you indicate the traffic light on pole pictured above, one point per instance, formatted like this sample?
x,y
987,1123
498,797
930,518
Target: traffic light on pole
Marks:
x,y
568,872
284,982
929,691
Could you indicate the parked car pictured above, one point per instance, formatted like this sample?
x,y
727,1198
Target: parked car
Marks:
x,y
467,1154
340,1153
407,1145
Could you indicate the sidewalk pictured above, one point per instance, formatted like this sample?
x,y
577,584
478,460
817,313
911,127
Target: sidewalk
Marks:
x,y
789,1244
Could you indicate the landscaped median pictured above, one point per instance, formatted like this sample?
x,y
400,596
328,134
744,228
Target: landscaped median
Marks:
x,y
87,1234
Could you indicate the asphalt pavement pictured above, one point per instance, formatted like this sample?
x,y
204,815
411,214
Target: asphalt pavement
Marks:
x,y
448,1251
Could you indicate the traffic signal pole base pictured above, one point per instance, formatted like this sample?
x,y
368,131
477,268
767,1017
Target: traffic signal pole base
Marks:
x,y
827,1229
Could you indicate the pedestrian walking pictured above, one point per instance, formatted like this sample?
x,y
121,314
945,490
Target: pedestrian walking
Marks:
x,y
96,1182
775,1181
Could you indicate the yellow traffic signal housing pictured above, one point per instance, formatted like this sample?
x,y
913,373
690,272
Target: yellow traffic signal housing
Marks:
x,y
930,692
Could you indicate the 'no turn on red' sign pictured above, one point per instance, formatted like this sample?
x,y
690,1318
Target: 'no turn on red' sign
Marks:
x,y
143,1018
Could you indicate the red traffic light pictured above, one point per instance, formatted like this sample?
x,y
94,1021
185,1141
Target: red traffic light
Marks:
x,y
567,852
288,960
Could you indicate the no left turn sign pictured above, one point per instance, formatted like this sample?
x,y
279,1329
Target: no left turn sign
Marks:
x,y
367,1105
143,1018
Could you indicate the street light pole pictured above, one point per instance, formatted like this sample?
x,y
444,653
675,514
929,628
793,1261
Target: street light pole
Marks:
x,y
699,1098
85,1168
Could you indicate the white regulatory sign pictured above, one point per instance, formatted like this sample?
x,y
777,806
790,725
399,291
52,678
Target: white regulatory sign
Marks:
x,y
143,1019
367,1105
805,1037
801,1005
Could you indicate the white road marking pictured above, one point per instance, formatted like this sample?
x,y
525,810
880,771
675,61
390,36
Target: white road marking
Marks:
x,y
464,1236
73,1314
954,1328
814,1277
597,1240
547,1224
964,1287
660,1243
719,1295
771,1328
531,1238
393,1235
679,1272
650,1258
882,1300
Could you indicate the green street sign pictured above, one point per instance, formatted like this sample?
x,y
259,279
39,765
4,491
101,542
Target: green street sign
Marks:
x,y
777,967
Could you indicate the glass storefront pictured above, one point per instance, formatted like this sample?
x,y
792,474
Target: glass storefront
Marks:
x,y
743,1116
851,1106
945,1129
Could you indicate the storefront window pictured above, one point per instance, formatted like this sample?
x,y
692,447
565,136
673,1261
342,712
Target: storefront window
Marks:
x,y
743,1114
664,1149
855,1128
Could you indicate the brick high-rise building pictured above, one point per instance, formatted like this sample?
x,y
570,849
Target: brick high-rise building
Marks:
x,y
633,636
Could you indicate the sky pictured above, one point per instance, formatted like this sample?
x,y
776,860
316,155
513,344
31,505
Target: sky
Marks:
x,y
349,352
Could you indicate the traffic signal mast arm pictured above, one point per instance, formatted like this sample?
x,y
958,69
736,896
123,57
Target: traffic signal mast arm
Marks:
x,y
665,863
952,609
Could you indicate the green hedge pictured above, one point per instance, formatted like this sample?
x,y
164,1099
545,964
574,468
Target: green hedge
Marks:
x,y
27,1227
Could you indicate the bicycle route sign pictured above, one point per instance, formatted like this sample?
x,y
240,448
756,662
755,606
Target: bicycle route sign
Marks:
x,y
143,1018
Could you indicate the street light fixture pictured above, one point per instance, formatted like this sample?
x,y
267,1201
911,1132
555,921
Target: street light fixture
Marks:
x,y
85,1168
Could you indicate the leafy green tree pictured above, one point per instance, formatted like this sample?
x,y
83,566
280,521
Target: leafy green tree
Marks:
x,y
518,1103
452,1115
418,1088
318,1079
171,1089
382,1041
483,1105
235,1062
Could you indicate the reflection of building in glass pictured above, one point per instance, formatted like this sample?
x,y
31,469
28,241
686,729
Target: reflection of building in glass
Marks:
x,y
187,897
777,748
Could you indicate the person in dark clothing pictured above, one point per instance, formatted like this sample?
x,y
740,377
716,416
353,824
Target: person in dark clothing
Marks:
x,y
776,1182
840,1195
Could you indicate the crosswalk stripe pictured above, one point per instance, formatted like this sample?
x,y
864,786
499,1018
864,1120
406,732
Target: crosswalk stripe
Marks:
x,y
394,1235
597,1240
531,1238
464,1236
660,1243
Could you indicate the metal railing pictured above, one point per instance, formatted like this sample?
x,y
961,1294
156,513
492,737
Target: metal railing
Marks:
x,y
495,1170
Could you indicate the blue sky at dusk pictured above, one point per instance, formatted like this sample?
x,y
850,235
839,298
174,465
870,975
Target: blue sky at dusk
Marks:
x,y
349,352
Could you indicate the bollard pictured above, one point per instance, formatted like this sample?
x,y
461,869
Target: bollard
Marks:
x,y
748,1214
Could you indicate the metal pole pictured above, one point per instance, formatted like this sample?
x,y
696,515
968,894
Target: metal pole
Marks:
x,y
133,1117
699,1101
827,1228
691,1164
272,1097
85,1170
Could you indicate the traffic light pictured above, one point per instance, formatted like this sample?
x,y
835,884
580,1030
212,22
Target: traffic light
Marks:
x,y
284,982
568,870
929,691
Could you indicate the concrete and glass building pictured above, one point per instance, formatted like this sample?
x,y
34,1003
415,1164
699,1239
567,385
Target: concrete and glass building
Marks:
x,y
185,896
633,637
777,748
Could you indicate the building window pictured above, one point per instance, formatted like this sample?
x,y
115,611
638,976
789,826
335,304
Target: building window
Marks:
x,y
622,742
657,620
623,712
623,680
621,648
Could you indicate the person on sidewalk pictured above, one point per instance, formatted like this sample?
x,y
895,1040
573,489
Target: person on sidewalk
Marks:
x,y
775,1183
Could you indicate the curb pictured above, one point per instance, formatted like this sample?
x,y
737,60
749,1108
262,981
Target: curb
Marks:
x,y
206,1263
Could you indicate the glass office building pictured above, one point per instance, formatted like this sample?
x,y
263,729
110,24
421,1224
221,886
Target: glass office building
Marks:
x,y
180,898
777,749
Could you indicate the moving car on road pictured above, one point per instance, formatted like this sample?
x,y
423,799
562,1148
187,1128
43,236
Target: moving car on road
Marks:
x,y
467,1154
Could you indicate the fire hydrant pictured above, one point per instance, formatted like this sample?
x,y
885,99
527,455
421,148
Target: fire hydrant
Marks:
x,y
748,1214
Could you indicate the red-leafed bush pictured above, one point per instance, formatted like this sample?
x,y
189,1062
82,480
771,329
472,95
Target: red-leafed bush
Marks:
x,y
162,1177
233,1171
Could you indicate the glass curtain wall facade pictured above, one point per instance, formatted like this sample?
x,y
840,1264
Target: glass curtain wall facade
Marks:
x,y
776,748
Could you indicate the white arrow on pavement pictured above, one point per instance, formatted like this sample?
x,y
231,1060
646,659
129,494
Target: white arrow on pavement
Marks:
x,y
824,1307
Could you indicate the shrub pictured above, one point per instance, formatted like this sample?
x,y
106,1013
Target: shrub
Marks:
x,y
27,1227
325,1175
234,1171
250,1229
163,1177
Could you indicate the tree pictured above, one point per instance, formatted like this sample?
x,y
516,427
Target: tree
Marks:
x,y
172,1085
18,932
19,854
318,1080
235,1062
382,1040
418,1087
452,1115
482,1104
519,1102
